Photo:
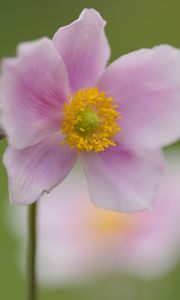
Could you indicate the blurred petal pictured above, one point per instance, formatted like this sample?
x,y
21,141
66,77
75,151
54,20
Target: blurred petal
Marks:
x,y
84,48
37,169
34,87
152,247
146,84
123,180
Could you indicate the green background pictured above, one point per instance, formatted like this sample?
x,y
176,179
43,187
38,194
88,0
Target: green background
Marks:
x,y
131,24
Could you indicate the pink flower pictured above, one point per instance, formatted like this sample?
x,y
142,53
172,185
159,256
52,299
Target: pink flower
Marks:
x,y
59,103
78,241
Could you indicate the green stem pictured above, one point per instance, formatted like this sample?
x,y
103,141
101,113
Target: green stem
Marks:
x,y
32,289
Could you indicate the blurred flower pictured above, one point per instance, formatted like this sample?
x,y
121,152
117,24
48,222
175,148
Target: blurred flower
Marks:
x,y
78,241
60,103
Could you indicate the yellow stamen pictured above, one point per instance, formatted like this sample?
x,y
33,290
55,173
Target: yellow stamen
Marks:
x,y
90,121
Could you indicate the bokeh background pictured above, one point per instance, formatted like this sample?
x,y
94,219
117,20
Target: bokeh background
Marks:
x,y
131,24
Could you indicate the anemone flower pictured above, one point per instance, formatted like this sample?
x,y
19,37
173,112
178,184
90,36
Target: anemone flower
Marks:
x,y
60,103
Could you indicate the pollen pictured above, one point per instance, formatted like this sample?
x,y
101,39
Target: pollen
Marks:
x,y
90,120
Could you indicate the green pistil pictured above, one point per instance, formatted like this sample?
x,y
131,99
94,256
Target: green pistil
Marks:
x,y
88,122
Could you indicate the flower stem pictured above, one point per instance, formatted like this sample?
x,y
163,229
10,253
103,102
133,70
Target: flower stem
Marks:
x,y
32,290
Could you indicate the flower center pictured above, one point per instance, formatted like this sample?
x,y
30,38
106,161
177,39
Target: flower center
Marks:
x,y
106,222
90,121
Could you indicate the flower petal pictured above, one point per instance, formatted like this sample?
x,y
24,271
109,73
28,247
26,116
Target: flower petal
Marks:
x,y
146,84
123,180
84,48
152,247
37,169
33,89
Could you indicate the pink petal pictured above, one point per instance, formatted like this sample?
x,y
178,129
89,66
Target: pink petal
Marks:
x,y
37,169
146,84
33,89
152,247
123,180
84,48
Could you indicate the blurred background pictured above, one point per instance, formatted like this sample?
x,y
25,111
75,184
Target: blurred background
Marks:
x,y
130,25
